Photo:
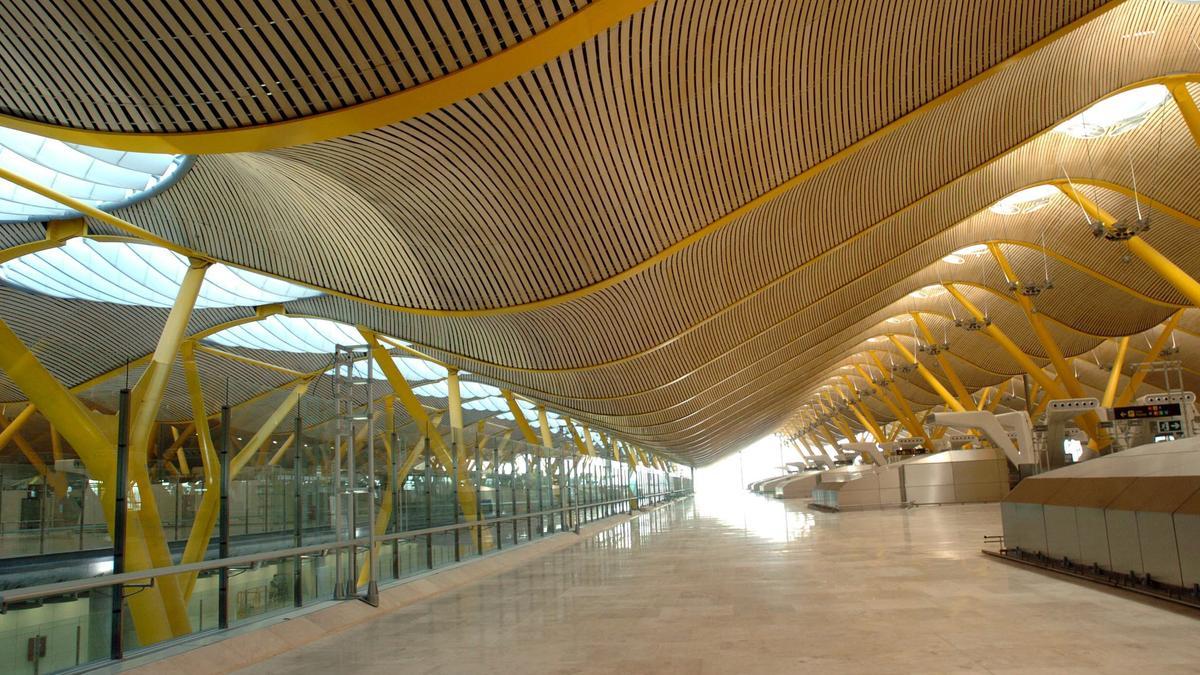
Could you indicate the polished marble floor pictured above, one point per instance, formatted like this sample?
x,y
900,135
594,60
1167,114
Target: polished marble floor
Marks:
x,y
743,584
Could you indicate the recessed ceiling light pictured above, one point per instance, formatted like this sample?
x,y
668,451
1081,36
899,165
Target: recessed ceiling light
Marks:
x,y
1025,201
1116,114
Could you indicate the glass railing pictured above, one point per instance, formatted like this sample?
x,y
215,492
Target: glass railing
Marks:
x,y
300,510
66,624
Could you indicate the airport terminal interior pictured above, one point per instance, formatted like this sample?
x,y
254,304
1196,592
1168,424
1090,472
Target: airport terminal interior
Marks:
x,y
599,336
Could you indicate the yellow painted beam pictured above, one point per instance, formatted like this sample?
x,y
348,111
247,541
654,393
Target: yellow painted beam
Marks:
x,y
1169,271
94,440
544,425
238,358
929,377
1066,373
1114,377
472,78
265,431
519,418
1009,347
207,511
1156,349
960,390
1187,108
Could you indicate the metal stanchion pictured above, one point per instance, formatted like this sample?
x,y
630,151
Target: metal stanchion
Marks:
x,y
120,510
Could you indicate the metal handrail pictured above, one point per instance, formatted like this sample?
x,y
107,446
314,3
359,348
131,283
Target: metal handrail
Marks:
x,y
79,585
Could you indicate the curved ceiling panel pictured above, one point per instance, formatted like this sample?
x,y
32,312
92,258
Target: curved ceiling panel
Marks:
x,y
679,229
140,66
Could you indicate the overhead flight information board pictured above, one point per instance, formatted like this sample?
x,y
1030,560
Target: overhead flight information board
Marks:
x,y
1141,412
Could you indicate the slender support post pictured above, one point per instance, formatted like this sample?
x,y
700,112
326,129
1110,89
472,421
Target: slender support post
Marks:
x,y
223,537
120,511
904,420
298,507
910,419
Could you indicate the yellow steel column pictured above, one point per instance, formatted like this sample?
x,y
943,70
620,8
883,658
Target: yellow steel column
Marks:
x,y
956,383
12,427
910,418
862,412
1009,347
983,398
1155,351
1066,374
519,418
404,393
57,481
544,427
205,519
901,419
837,419
95,446
941,390
1114,378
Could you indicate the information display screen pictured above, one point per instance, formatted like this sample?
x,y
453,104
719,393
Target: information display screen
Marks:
x,y
1141,412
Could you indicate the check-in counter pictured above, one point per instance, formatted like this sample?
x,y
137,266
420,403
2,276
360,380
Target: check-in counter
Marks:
x,y
798,486
951,477
1133,512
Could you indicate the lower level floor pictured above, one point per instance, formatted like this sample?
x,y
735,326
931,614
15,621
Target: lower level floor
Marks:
x,y
734,583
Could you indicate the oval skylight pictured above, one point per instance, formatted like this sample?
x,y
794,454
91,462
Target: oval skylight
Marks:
x,y
972,250
138,274
954,259
1116,114
415,371
1025,201
106,179
928,292
298,335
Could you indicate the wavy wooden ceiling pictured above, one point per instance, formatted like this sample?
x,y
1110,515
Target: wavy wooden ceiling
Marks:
x,y
675,230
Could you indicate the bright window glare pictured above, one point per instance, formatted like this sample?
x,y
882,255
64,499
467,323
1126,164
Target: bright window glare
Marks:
x,y
138,274
105,179
928,292
1116,114
762,459
1025,201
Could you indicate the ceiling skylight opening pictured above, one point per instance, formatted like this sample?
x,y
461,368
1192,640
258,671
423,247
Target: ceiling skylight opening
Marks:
x,y
125,273
105,179
294,334
1025,201
953,259
1117,114
898,319
877,339
973,250
927,292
